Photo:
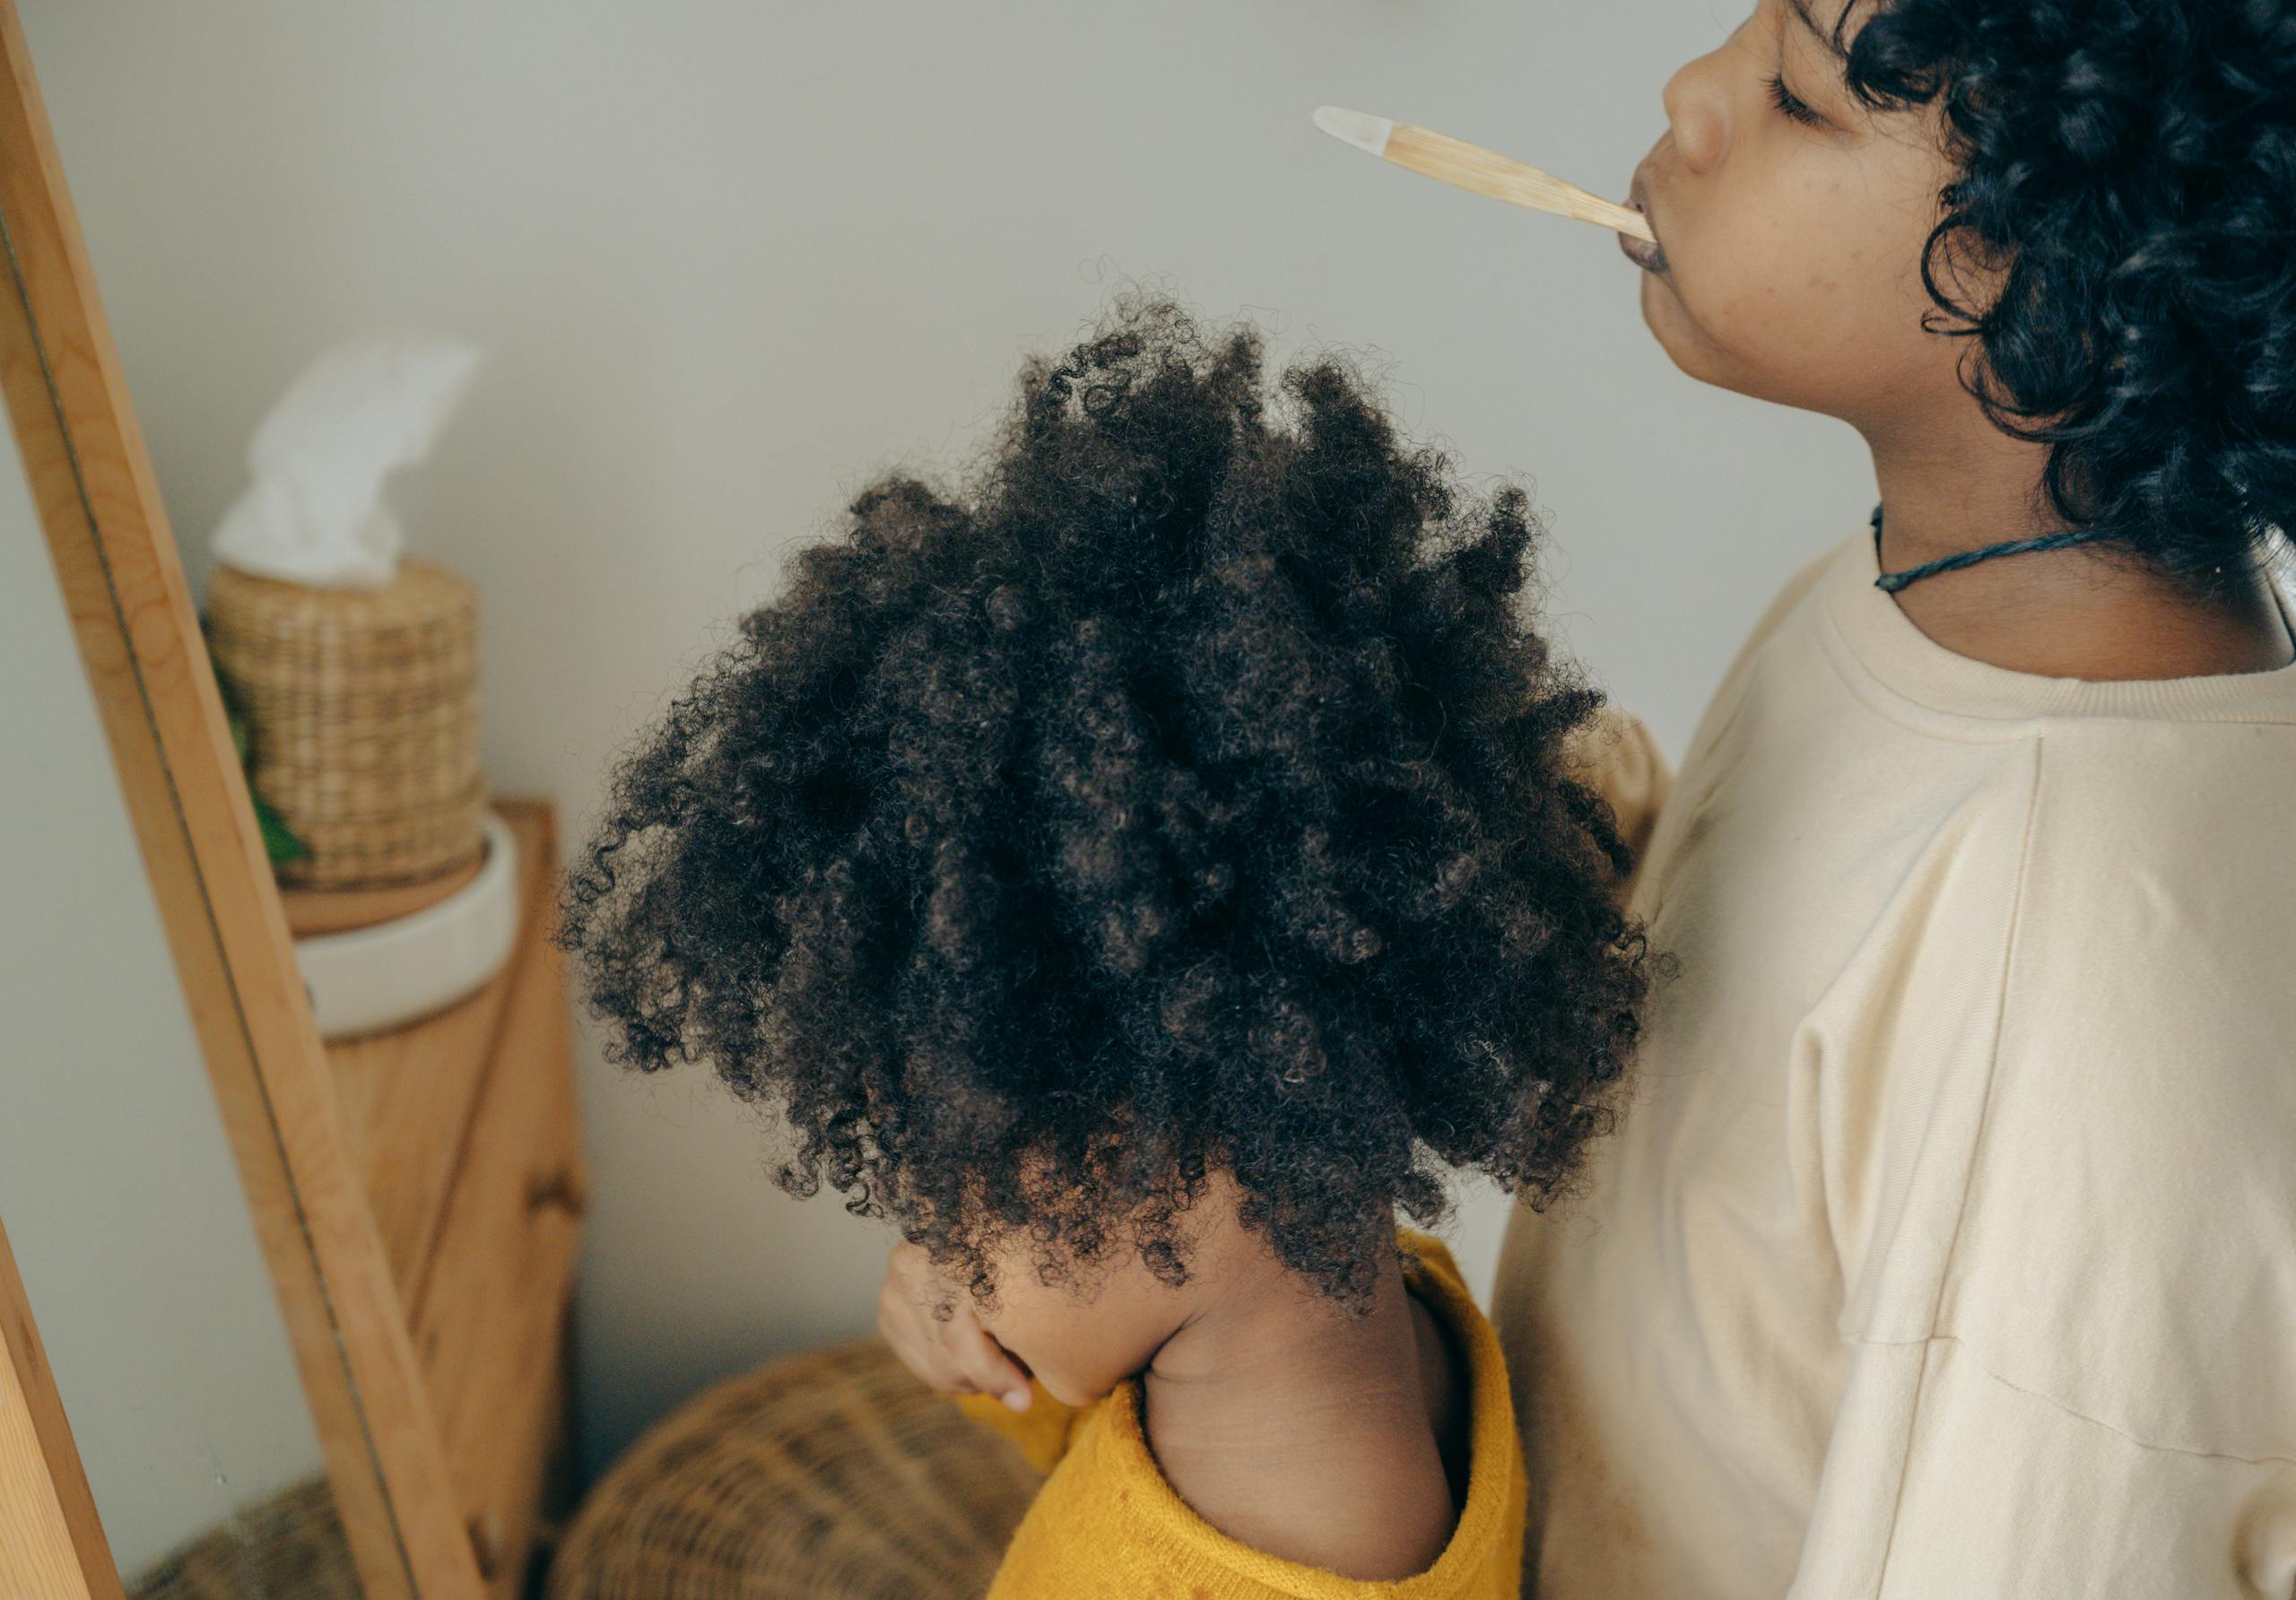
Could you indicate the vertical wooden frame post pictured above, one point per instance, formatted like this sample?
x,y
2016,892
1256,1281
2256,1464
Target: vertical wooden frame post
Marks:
x,y
138,630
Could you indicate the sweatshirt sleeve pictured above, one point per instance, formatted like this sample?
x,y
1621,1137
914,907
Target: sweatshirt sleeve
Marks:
x,y
2096,1392
1042,1431
1616,756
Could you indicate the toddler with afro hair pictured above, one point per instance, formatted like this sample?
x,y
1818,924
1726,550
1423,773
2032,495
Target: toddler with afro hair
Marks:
x,y
1138,871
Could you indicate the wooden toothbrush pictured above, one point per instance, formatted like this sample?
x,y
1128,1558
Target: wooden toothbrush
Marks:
x,y
1471,167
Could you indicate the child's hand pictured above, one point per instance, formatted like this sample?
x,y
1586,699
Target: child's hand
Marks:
x,y
956,1356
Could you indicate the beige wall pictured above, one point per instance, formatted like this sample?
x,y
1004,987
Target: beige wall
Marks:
x,y
730,259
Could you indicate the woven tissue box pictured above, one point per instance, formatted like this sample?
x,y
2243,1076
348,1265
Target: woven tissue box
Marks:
x,y
362,707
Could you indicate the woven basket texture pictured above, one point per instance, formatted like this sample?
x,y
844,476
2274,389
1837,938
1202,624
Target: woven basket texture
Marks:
x,y
363,718
834,1474
288,1547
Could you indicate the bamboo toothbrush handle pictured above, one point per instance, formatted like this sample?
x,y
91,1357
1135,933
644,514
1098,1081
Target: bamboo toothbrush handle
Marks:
x,y
1486,172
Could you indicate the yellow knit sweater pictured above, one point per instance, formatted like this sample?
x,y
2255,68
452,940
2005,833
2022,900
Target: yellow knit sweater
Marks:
x,y
1108,1525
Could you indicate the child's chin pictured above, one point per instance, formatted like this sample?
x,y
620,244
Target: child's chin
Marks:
x,y
1693,355
1664,315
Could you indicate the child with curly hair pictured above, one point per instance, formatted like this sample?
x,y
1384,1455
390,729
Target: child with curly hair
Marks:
x,y
1949,1248
1137,873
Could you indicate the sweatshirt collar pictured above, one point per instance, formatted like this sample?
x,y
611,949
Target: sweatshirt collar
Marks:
x,y
1884,643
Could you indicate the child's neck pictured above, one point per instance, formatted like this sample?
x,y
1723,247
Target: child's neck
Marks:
x,y
1311,1433
2069,613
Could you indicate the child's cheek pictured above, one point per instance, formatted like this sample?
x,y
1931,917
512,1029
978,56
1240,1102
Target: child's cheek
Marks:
x,y
1059,1345
1078,1350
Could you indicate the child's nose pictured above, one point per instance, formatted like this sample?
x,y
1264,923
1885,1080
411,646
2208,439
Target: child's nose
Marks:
x,y
1698,103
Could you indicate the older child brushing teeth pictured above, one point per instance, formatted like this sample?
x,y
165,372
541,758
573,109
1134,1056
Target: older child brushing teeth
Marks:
x,y
1949,1247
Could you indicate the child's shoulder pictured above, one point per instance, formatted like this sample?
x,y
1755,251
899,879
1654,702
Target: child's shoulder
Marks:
x,y
1108,1515
1436,1282
1799,591
1798,588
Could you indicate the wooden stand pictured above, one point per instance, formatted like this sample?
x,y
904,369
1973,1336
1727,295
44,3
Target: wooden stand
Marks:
x,y
463,1125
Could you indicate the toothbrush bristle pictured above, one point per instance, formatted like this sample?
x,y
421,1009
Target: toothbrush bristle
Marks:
x,y
1356,128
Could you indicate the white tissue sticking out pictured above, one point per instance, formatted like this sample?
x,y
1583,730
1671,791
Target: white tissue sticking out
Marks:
x,y
314,513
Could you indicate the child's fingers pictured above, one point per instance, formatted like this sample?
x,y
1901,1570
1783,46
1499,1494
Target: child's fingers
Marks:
x,y
988,1364
957,1356
904,1321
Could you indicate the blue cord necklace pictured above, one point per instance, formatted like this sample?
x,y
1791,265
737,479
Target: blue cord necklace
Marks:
x,y
1891,582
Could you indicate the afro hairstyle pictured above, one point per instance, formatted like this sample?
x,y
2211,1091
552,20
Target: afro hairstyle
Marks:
x,y
1184,792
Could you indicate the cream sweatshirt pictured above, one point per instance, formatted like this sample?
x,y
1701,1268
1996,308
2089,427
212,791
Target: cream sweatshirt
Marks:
x,y
1946,1246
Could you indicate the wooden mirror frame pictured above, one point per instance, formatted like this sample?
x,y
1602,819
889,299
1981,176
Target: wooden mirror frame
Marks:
x,y
138,632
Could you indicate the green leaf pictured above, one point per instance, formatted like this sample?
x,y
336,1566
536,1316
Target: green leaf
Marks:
x,y
278,843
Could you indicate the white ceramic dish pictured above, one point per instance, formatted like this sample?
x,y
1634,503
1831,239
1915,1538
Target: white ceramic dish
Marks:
x,y
393,973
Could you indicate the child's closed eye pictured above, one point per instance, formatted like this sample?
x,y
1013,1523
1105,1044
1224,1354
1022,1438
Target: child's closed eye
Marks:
x,y
1783,98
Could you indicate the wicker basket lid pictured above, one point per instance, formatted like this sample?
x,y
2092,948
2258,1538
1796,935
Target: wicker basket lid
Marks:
x,y
831,1473
288,1546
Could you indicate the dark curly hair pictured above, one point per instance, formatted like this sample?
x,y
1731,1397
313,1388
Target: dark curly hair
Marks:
x,y
1185,795
2130,168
